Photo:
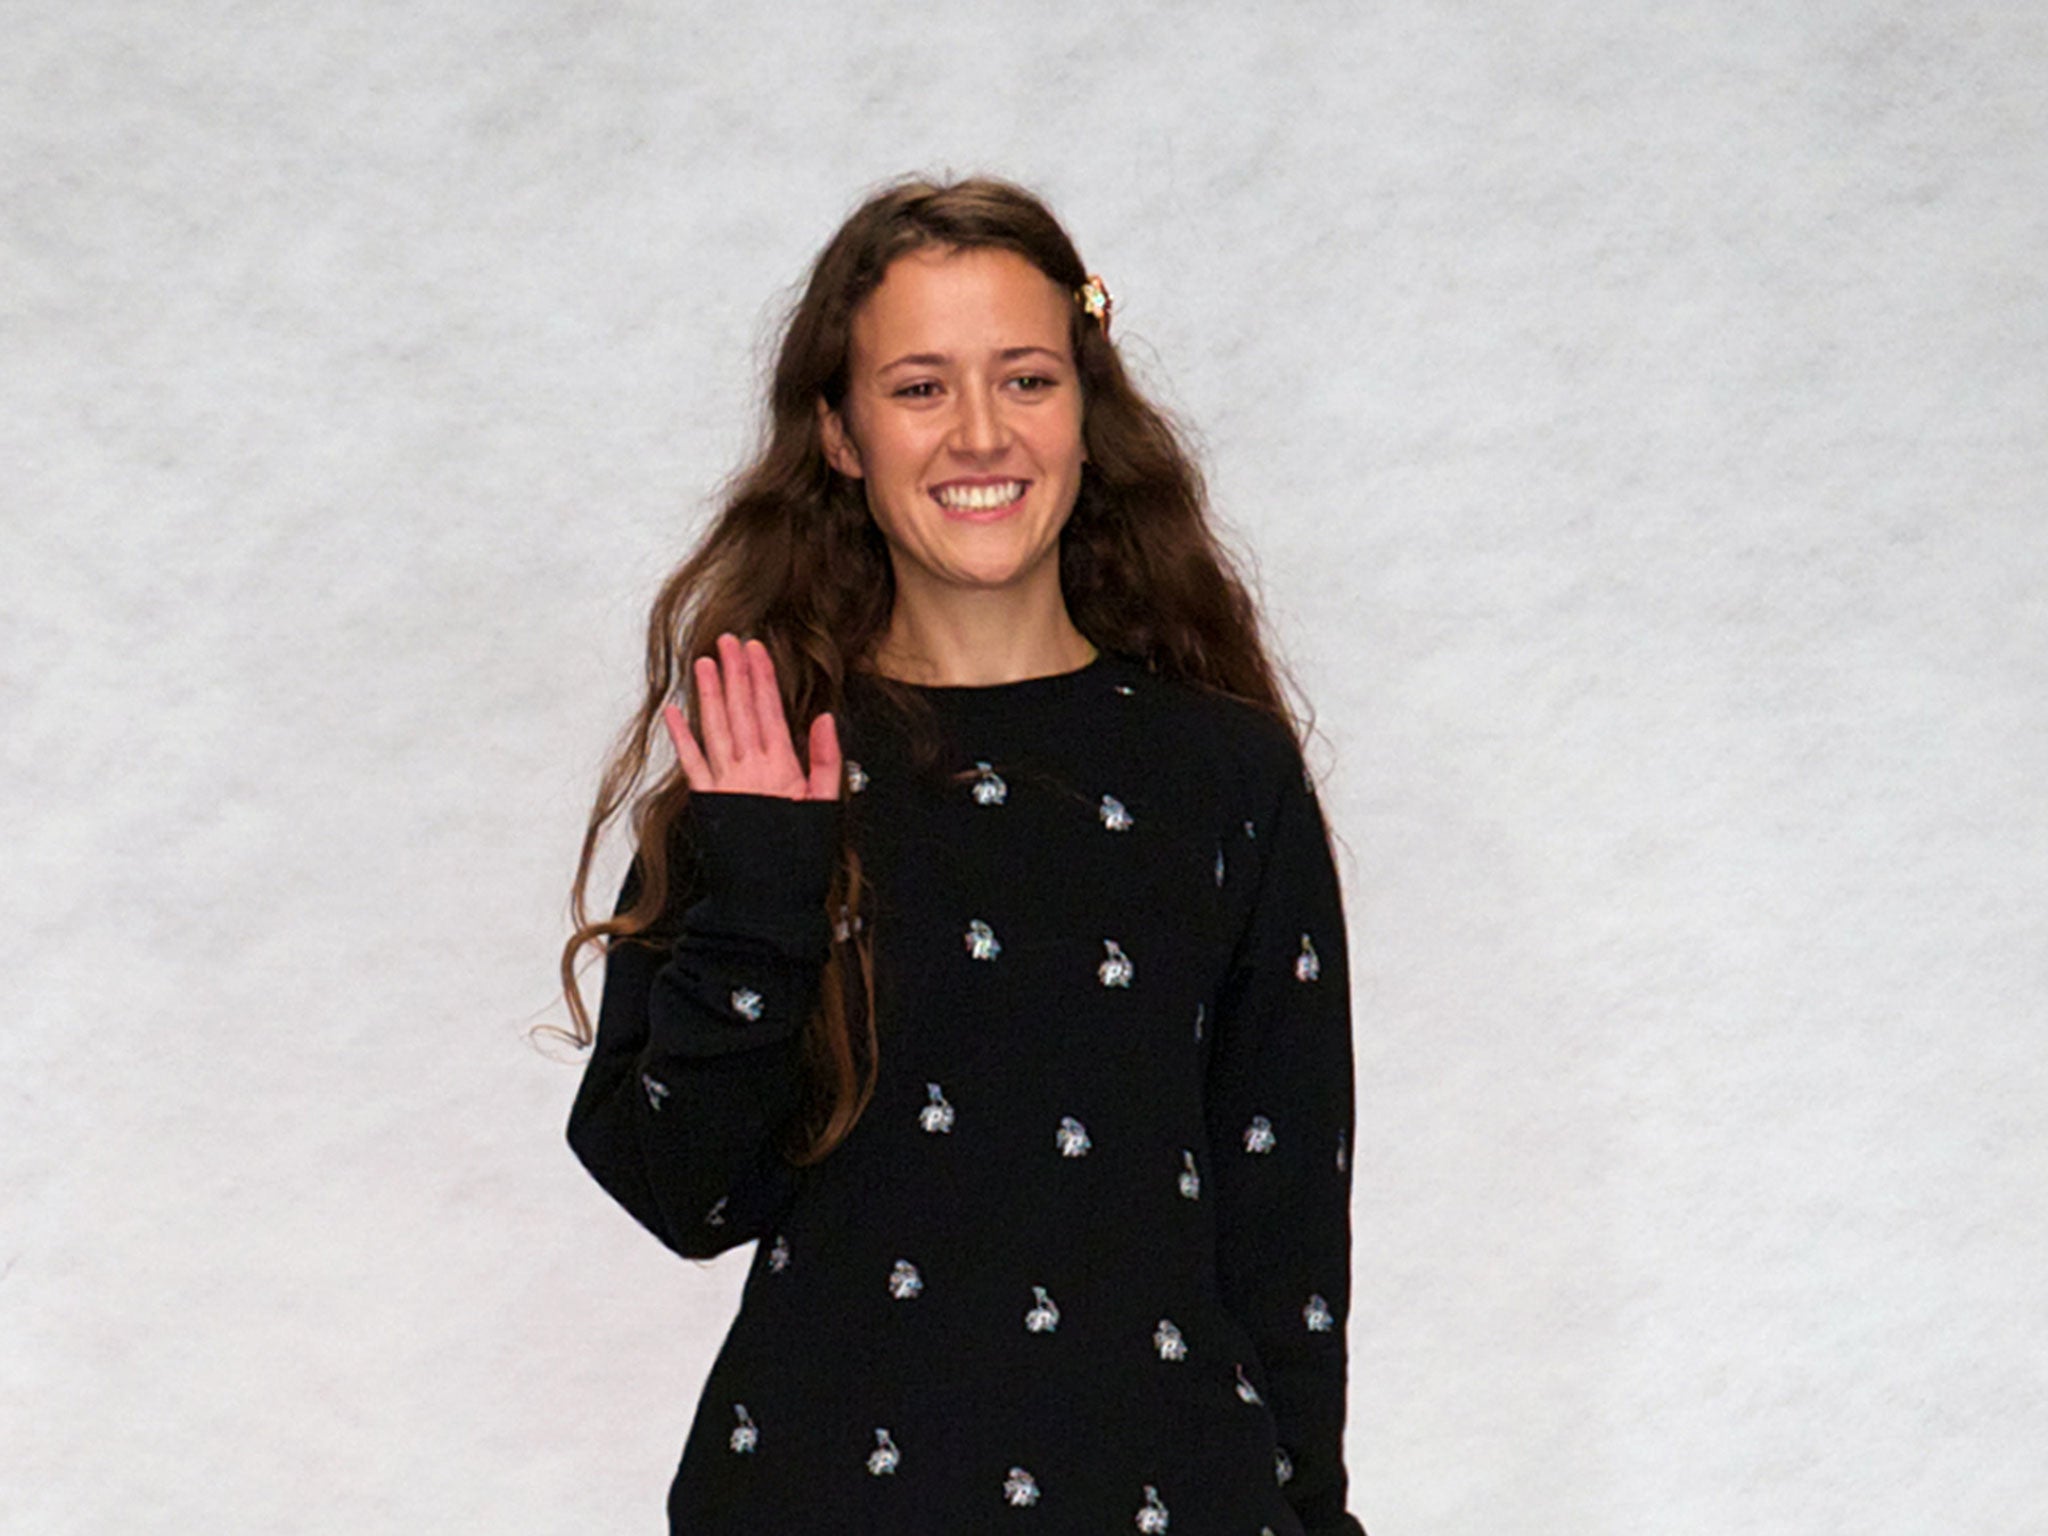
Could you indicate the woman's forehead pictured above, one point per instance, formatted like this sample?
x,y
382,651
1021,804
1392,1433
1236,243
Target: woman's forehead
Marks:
x,y
950,300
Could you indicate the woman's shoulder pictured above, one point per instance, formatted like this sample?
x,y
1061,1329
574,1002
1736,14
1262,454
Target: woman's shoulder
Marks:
x,y
1257,744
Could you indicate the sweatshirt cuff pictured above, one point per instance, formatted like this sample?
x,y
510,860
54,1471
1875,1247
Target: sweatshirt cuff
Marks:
x,y
762,858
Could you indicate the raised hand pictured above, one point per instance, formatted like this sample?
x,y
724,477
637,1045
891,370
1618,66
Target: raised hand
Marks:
x,y
746,747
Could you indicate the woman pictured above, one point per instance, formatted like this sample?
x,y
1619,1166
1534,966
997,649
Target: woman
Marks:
x,y
1011,1014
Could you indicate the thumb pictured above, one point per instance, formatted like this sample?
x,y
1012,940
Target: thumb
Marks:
x,y
825,758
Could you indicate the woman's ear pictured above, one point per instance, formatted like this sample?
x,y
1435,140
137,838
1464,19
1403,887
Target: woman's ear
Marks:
x,y
840,452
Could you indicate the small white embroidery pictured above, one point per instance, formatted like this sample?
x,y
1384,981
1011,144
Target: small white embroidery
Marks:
x,y
778,1256
856,777
1307,967
1283,1469
1114,815
746,1002
1246,1390
1258,1136
1123,688
1117,970
884,1457
746,1434
1316,1313
1219,865
1020,1487
937,1116
1073,1137
1201,1013
989,788
1167,1340
1044,1316
1153,1517
715,1217
657,1090
1251,831
1342,1152
1190,1181
981,941
904,1280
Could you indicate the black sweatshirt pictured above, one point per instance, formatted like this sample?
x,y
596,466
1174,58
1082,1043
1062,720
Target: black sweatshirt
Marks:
x,y
1083,1264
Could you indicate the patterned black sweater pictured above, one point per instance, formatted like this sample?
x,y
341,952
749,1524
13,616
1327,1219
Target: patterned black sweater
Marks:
x,y
1083,1264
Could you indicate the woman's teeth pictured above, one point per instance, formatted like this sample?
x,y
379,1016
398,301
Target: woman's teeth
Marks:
x,y
980,498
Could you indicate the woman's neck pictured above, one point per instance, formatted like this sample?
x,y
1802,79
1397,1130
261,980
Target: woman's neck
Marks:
x,y
980,642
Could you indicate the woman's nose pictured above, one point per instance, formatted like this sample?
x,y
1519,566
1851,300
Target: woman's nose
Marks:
x,y
981,427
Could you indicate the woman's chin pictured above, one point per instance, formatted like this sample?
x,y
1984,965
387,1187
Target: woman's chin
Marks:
x,y
992,570
995,576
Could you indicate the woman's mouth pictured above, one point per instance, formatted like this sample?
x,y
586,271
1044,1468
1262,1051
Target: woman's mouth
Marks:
x,y
980,503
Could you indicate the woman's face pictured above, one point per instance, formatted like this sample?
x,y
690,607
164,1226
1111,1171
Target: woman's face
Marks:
x,y
963,418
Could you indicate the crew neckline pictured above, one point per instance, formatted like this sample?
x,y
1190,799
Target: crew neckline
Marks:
x,y
1018,690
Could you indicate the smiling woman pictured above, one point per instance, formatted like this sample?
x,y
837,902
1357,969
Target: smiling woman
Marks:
x,y
1011,1015
962,415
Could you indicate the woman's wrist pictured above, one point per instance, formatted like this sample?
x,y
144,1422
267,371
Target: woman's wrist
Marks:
x,y
764,854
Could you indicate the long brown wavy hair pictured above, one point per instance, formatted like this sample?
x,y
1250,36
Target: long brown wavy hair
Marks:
x,y
794,558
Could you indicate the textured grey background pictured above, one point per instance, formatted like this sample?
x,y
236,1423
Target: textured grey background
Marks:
x,y
1637,412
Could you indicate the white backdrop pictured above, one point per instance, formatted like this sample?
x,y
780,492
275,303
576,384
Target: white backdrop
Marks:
x,y
1636,411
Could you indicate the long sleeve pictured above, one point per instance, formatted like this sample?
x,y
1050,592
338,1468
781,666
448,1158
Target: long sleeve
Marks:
x,y
1279,1104
695,1069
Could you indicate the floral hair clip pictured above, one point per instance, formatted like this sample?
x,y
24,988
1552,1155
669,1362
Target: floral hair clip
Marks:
x,y
1093,297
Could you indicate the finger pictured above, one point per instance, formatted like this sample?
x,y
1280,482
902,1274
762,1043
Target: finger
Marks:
x,y
825,760
695,769
739,698
768,710
711,718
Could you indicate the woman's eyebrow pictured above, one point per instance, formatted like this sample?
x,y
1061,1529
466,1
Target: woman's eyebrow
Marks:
x,y
940,359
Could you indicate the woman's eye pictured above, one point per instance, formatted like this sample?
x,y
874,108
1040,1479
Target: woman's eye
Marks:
x,y
926,389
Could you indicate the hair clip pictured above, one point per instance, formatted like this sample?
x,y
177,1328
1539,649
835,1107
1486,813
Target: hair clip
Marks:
x,y
1094,299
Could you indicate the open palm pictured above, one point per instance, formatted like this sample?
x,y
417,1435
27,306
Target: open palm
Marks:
x,y
747,748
